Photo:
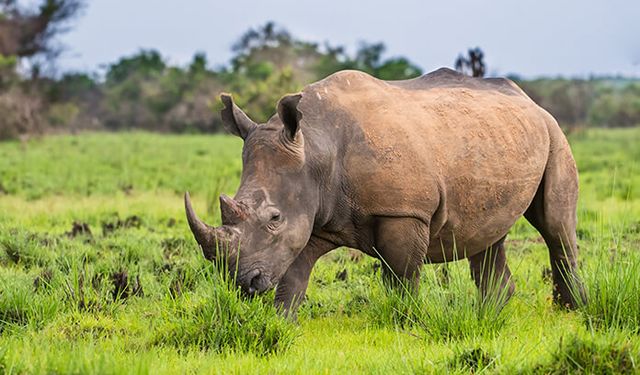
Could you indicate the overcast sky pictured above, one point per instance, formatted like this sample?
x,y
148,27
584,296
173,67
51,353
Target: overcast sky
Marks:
x,y
528,37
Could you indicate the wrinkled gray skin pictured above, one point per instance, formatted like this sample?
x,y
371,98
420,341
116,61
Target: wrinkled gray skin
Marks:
x,y
433,169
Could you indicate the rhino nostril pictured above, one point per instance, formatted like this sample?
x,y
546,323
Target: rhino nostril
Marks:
x,y
254,282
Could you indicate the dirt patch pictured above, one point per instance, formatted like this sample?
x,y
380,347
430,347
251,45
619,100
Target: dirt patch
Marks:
x,y
124,288
43,280
180,283
127,189
133,221
173,246
342,275
79,228
44,239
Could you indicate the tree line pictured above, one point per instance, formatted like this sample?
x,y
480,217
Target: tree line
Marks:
x,y
143,91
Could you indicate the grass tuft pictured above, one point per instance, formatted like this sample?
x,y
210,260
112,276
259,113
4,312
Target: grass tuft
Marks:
x,y
20,306
473,360
443,309
23,248
613,293
591,356
219,318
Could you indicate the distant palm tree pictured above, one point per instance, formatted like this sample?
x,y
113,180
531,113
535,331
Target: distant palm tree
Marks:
x,y
473,65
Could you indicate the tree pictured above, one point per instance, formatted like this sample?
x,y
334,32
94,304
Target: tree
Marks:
x,y
369,56
617,107
269,35
28,33
25,33
472,65
198,64
369,59
144,63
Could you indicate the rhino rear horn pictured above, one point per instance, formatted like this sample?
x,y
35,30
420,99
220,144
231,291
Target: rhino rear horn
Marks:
x,y
204,234
232,211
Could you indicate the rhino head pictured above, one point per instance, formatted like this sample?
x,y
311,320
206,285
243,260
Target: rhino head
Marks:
x,y
269,221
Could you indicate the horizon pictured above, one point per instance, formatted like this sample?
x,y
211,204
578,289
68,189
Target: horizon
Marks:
x,y
601,44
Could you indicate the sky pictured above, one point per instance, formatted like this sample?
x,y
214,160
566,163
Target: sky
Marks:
x,y
531,38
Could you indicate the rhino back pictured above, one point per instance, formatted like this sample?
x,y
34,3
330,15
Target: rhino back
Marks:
x,y
463,154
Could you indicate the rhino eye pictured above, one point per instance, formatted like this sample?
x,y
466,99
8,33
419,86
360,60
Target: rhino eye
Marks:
x,y
275,220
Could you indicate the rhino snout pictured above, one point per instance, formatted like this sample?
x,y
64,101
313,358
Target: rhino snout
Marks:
x,y
254,282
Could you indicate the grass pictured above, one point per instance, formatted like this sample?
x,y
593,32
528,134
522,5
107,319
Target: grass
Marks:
x,y
447,308
596,355
99,274
614,298
217,318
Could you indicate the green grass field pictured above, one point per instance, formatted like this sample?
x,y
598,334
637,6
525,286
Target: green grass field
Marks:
x,y
99,274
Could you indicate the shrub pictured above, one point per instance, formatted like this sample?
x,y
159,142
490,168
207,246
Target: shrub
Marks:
x,y
20,114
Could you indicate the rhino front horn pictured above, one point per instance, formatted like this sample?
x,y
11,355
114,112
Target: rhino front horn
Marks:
x,y
204,234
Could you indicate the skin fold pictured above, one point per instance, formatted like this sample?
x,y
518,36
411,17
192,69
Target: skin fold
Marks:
x,y
433,169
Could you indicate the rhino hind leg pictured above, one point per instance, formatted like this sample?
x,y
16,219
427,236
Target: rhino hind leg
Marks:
x,y
401,244
553,213
491,274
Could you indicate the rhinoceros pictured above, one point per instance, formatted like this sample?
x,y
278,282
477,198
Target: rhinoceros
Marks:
x,y
427,170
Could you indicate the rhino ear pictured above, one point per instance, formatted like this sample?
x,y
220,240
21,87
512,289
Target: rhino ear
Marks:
x,y
290,115
235,121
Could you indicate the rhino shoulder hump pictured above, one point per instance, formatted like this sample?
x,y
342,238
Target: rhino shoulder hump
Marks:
x,y
445,78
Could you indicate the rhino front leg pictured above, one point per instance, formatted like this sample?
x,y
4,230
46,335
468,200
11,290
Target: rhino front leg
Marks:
x,y
491,273
402,244
293,284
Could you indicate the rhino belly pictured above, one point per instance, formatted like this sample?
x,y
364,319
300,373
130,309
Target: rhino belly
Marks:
x,y
481,210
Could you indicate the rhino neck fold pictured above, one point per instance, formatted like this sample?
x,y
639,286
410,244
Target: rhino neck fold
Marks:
x,y
330,137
